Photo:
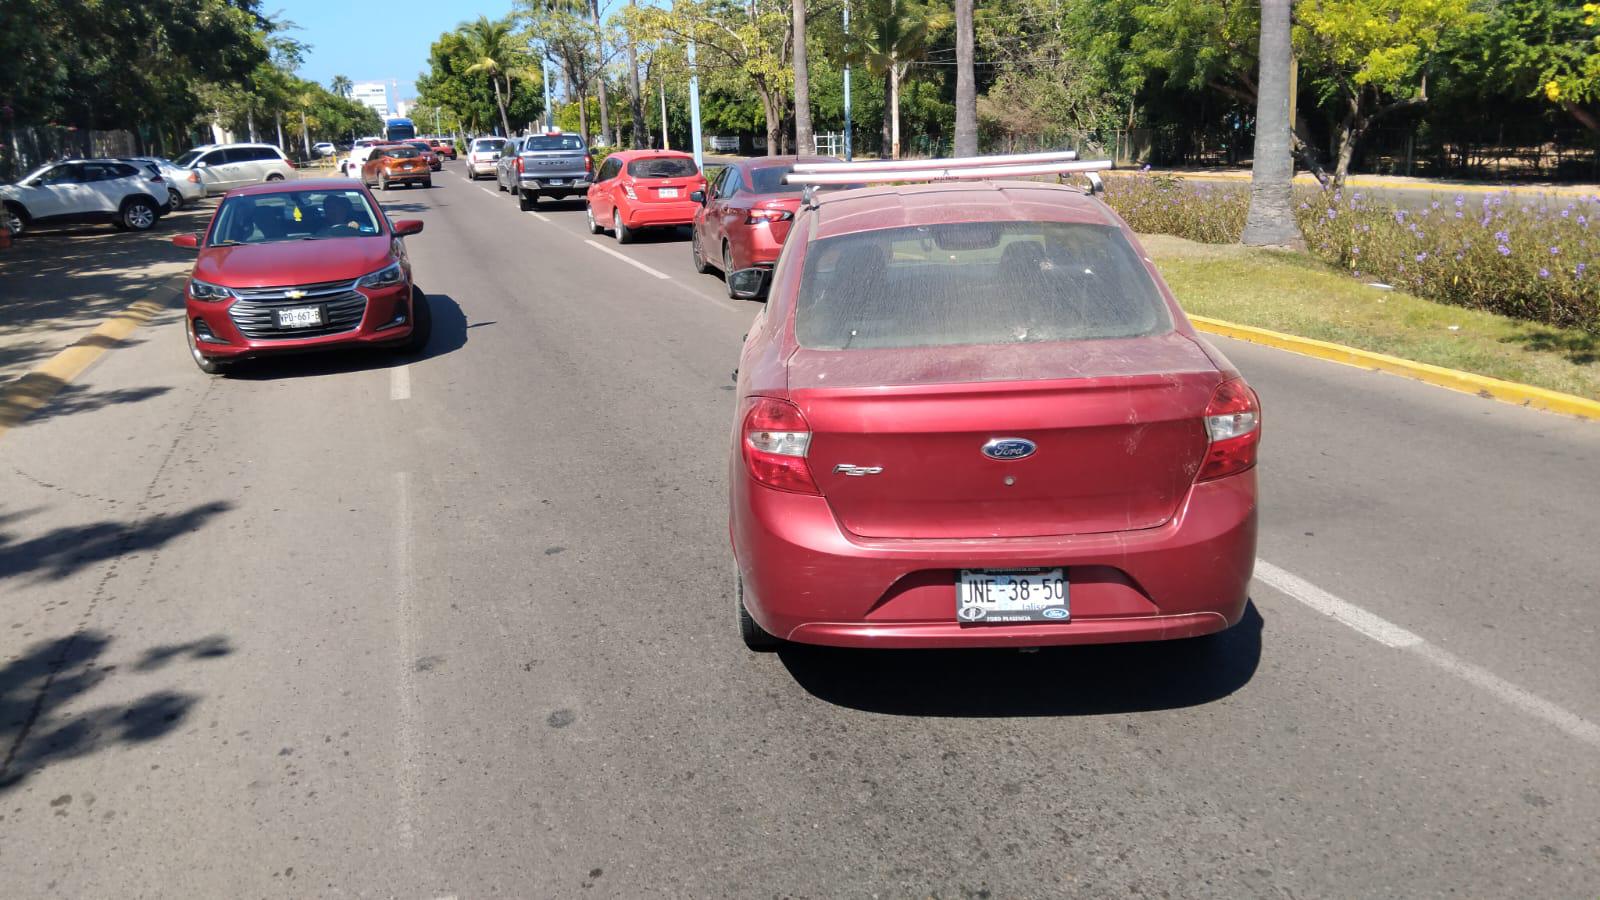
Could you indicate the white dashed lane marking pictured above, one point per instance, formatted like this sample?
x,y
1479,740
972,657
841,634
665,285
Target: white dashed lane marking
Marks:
x,y
629,260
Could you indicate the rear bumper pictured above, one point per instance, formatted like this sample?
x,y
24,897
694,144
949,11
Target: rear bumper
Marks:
x,y
658,215
486,167
410,177
376,328
753,246
807,580
541,184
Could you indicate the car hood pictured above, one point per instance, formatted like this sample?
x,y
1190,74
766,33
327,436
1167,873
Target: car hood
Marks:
x,y
293,262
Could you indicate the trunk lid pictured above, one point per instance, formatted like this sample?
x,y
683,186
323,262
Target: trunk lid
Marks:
x,y
1117,427
666,190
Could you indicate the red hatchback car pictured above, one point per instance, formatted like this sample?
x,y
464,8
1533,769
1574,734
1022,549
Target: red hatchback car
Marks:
x,y
637,189
745,214
301,265
972,414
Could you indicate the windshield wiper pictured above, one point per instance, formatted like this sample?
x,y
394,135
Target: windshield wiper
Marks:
x,y
227,243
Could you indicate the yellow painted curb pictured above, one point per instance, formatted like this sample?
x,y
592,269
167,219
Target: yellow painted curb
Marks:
x,y
24,396
1482,385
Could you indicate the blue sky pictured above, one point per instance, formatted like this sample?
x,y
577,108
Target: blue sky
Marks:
x,y
375,40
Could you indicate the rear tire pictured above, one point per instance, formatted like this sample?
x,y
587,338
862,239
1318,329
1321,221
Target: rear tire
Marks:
x,y
274,177
727,269
175,200
625,235
383,182
526,200
15,220
421,322
427,183
138,214
754,636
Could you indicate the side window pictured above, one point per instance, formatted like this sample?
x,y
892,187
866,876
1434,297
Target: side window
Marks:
x,y
263,154
215,158
238,154
68,174
123,170
610,169
728,184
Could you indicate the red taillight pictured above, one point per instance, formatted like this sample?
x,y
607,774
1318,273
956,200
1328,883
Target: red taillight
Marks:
x,y
768,215
1233,423
519,165
194,177
628,189
588,163
775,438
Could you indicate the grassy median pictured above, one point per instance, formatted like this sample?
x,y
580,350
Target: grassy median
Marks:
x,y
1298,294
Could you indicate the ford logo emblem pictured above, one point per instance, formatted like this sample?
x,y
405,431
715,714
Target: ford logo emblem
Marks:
x,y
1055,612
1009,448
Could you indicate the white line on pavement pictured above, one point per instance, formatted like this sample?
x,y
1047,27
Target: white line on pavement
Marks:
x,y
1391,635
540,216
400,383
487,191
629,260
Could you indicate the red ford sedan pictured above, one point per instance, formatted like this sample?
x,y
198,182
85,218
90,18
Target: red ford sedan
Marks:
x,y
637,189
972,414
745,214
301,265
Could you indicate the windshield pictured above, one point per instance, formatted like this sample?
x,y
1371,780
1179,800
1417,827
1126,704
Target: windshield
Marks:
x,y
662,167
187,158
553,142
975,283
769,180
293,216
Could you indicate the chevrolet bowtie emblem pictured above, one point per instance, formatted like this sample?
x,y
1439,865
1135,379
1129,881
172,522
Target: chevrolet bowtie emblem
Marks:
x,y
294,295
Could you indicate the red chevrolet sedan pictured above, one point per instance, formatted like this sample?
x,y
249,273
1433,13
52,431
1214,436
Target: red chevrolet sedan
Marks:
x,y
637,189
972,414
301,265
745,214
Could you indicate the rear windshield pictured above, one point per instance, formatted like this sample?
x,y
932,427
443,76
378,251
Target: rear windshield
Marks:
x,y
487,145
402,152
184,160
553,142
975,283
662,167
769,180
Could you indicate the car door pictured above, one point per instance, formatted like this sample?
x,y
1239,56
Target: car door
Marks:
x,y
105,184
601,200
220,174
250,163
728,213
54,192
369,169
707,222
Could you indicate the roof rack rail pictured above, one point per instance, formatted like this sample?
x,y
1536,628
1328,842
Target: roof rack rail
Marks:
x,y
974,168
875,165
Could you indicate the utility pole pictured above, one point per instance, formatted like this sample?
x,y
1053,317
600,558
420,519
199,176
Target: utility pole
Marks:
x,y
694,111
847,155
662,83
549,120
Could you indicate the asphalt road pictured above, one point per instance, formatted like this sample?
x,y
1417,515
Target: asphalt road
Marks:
x,y
461,626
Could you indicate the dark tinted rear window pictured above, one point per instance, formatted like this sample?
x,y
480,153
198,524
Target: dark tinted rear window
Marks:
x,y
553,142
769,180
403,152
975,283
662,167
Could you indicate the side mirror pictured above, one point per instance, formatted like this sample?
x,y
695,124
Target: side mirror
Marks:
x,y
407,227
748,284
189,241
698,197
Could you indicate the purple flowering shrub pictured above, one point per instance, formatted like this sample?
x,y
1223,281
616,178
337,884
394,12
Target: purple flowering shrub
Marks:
x,y
1165,204
1496,252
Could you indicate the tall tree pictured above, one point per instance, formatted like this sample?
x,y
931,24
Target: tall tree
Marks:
x,y
966,84
489,42
1270,221
639,138
600,75
893,34
802,82
341,86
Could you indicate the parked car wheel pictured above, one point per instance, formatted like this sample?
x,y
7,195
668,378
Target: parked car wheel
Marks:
x,y
755,637
427,182
17,221
174,199
594,227
205,363
275,176
727,268
625,235
138,214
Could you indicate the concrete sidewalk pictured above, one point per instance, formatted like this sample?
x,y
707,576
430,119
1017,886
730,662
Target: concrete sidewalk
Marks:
x,y
58,284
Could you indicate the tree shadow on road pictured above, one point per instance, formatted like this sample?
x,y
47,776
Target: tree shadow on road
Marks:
x,y
449,335
1578,348
1103,679
37,729
63,551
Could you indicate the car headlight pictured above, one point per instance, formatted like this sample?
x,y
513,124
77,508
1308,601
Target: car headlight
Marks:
x,y
204,290
388,276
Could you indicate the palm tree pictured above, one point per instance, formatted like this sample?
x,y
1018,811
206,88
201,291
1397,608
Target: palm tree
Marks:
x,y
489,42
893,34
966,87
341,86
802,83
1270,221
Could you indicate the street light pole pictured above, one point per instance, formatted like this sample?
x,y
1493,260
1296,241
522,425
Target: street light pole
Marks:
x,y
694,110
847,155
549,121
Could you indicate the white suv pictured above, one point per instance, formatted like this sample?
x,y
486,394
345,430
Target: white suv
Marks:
x,y
85,190
224,167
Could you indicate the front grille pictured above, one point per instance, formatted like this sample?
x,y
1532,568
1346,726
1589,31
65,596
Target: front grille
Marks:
x,y
252,312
